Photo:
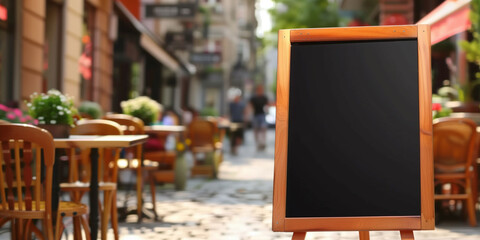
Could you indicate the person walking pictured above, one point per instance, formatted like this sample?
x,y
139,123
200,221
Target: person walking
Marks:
x,y
237,112
258,103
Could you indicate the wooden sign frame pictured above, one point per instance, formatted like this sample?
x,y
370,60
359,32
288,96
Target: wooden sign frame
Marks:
x,y
424,221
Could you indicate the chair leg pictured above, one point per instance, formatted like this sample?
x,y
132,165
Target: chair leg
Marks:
x,y
28,230
139,185
470,203
58,226
14,229
37,232
152,192
114,215
471,211
20,228
77,230
48,229
86,227
107,201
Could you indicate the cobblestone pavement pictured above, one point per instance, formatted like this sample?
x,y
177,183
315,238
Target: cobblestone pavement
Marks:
x,y
238,205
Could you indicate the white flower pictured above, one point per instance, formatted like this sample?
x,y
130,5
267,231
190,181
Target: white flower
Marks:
x,y
53,121
60,113
54,92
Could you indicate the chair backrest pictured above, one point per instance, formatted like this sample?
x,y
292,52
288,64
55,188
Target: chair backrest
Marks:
x,y
454,144
108,156
22,148
97,127
201,133
130,125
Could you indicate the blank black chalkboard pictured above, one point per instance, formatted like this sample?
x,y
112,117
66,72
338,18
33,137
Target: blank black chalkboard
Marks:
x,y
353,130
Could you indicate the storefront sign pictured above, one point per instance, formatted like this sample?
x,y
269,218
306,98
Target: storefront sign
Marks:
x,y
179,40
183,10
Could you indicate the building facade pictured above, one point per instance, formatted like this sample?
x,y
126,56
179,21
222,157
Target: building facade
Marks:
x,y
56,44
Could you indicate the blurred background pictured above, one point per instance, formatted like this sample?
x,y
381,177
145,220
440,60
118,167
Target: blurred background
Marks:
x,y
188,54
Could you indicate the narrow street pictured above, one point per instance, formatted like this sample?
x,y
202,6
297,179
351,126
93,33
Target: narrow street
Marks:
x,y
238,205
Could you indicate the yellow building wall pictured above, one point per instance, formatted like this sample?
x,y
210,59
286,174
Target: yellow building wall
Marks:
x,y
102,51
73,48
32,41
103,55
32,45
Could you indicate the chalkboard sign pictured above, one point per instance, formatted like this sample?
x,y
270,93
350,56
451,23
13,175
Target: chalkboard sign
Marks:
x,y
353,144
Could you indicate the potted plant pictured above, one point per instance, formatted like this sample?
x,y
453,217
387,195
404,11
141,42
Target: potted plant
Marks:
x,y
54,112
142,107
90,110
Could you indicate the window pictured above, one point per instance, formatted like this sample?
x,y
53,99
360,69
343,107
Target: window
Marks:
x,y
7,25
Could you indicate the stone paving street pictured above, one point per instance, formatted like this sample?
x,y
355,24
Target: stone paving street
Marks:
x,y
238,206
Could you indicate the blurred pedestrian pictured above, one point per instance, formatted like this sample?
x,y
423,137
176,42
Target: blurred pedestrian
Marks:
x,y
258,103
237,110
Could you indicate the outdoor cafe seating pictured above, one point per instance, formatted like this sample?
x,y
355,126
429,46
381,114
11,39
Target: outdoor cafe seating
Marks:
x,y
28,184
455,174
132,126
79,174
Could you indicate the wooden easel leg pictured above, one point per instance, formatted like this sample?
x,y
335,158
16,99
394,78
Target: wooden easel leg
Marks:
x,y
364,235
407,235
299,235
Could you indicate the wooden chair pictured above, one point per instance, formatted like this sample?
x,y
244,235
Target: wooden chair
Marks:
x,y
160,166
454,152
79,175
132,126
201,135
27,191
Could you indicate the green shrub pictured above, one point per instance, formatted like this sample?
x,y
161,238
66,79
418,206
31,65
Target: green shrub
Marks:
x,y
91,109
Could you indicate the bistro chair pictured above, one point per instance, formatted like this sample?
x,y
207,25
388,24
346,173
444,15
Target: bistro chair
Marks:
x,y
79,174
201,135
159,164
454,152
132,126
27,183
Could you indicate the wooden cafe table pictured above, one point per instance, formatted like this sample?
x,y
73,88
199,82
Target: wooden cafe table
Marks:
x,y
93,142
164,129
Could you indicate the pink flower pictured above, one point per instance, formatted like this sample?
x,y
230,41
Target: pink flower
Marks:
x,y
22,119
17,112
35,121
4,108
10,116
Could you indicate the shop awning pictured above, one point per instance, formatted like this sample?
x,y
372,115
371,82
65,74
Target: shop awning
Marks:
x,y
448,19
157,52
154,46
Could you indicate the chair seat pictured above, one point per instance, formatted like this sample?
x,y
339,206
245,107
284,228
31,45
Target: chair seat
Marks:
x,y
85,186
68,208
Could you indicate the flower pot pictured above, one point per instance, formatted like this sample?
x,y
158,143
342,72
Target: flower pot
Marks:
x,y
57,130
180,172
